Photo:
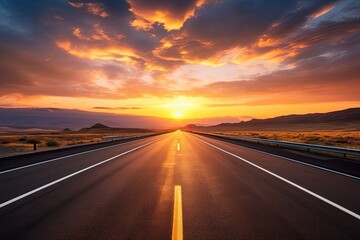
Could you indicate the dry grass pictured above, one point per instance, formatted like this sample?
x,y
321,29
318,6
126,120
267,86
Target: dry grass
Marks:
x,y
329,138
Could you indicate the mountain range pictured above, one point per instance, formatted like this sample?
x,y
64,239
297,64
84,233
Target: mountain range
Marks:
x,y
348,119
58,119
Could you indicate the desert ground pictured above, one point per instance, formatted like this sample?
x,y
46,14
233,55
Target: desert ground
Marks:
x,y
16,143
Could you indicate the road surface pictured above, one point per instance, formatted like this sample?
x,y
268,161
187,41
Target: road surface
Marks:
x,y
177,186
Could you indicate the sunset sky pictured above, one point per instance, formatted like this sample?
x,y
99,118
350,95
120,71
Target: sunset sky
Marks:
x,y
181,58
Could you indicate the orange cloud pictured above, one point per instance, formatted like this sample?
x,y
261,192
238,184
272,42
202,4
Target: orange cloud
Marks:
x,y
274,55
171,14
192,51
98,34
322,11
141,24
77,33
109,52
187,50
93,8
266,41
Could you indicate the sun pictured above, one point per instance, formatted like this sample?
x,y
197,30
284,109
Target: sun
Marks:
x,y
178,115
180,107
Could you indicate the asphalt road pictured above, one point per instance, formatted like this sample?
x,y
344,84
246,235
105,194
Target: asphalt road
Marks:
x,y
177,186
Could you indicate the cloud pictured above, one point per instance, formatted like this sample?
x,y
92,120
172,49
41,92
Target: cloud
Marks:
x,y
116,52
222,30
260,30
93,8
172,14
315,78
117,108
216,105
322,11
296,19
131,49
216,120
98,35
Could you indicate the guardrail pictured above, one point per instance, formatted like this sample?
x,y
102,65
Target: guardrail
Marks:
x,y
113,138
308,147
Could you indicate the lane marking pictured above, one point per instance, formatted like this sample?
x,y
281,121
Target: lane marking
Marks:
x,y
310,165
67,156
178,146
345,210
4,204
303,163
177,228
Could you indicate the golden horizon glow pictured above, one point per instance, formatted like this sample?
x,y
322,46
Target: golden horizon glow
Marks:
x,y
190,108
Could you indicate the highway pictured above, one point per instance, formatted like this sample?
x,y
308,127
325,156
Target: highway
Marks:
x,y
177,186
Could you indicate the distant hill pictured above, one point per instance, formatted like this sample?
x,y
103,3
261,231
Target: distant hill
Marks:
x,y
348,119
101,128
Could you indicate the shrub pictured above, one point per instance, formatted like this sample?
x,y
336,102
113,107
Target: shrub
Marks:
x,y
5,142
313,138
33,140
23,139
341,140
328,144
52,143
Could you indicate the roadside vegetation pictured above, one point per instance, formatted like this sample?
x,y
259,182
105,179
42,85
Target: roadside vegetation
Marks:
x,y
12,143
344,139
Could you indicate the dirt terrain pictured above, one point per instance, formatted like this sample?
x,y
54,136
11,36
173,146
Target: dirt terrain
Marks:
x,y
23,141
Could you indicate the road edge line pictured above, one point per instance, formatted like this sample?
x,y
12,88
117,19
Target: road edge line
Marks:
x,y
63,157
8,202
345,210
299,162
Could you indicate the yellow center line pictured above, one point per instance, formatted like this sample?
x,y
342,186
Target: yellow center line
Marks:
x,y
178,146
177,229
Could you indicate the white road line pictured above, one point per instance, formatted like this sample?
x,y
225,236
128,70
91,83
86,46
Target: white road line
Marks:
x,y
178,146
310,165
351,213
177,228
307,164
4,204
59,158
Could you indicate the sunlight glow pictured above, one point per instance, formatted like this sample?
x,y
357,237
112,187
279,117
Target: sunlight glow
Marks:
x,y
178,115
